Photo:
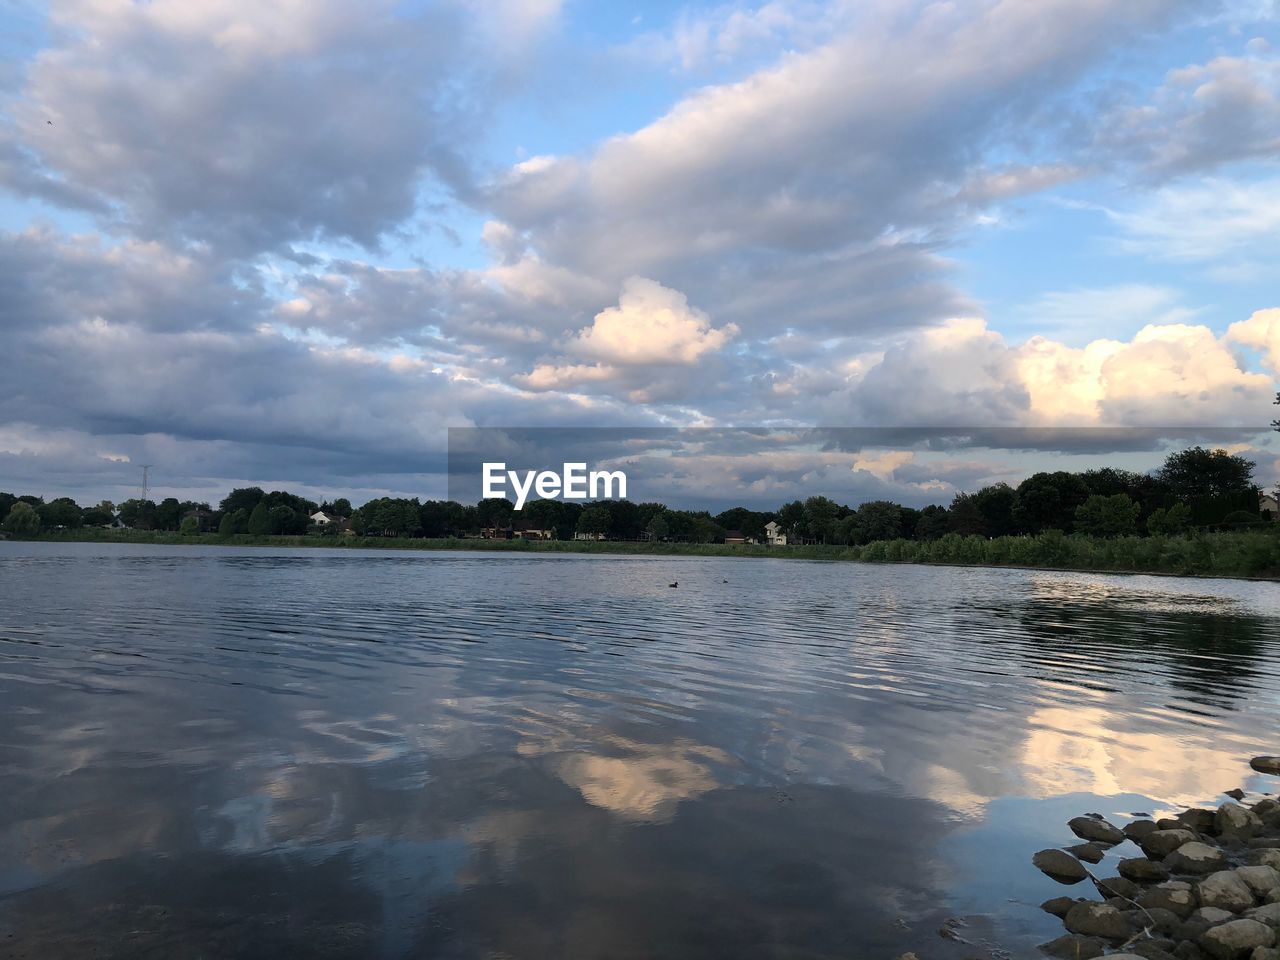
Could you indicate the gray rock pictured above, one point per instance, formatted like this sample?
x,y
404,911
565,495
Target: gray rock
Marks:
x,y
1187,950
1266,764
1097,920
1198,819
1265,953
1235,793
1268,913
1261,879
1086,851
1195,857
1268,811
1236,938
1058,906
1142,870
1169,823
1265,843
1161,843
1089,828
1211,916
1265,858
1175,896
1138,829
1155,920
1060,865
1158,949
1071,945
1226,891
1235,822
1118,887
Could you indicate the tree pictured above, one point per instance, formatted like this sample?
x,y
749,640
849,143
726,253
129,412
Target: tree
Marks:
x,y
138,514
933,523
495,512
388,517
658,528
63,512
96,517
259,520
284,520
168,514
7,500
820,516
233,523
1197,472
189,527
1113,516
791,518
995,504
1048,501
242,498
594,521
22,520
965,518
1169,521
877,520
340,507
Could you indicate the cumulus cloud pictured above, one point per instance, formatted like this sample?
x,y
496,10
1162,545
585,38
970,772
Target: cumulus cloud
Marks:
x,y
650,325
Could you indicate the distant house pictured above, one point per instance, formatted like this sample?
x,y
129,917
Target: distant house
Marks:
x,y
496,533
203,519
588,536
534,534
736,538
1267,505
322,519
774,535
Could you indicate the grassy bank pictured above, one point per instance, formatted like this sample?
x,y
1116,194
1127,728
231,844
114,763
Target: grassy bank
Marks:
x,y
1236,554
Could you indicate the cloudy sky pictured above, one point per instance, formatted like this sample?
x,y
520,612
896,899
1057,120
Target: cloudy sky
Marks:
x,y
291,242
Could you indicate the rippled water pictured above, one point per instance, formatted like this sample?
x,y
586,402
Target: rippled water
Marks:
x,y
218,753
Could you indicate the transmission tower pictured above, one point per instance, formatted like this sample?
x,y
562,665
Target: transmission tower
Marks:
x,y
146,469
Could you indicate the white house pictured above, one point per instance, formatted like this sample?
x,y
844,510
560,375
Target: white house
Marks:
x,y
774,534
320,518
1267,504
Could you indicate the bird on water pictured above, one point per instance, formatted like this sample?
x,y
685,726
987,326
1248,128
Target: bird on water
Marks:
x,y
674,583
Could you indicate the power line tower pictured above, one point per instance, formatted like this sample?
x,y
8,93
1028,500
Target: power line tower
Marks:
x,y
146,487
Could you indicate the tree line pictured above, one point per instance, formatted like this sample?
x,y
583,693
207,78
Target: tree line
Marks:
x,y
1196,488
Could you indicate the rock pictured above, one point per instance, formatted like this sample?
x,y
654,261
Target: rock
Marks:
x,y
1156,920
1187,950
1195,857
1071,945
1265,843
1086,851
1198,819
1236,938
1161,843
1089,828
1235,822
1097,920
1138,829
1266,765
1060,865
1268,811
1175,896
1157,949
1058,906
1226,891
1118,887
1261,879
1235,793
1211,916
1268,914
1169,823
1265,953
1265,858
1142,870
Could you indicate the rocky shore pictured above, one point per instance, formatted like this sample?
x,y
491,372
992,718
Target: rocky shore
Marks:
x,y
1203,885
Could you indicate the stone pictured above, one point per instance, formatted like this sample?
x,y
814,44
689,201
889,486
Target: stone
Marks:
x,y
1198,819
1210,916
1174,896
1265,858
1265,953
1158,949
1235,822
1195,857
1058,906
1142,870
1138,829
1187,950
1161,843
1265,843
1071,945
1086,851
1097,920
1156,920
1236,938
1169,823
1268,913
1235,793
1261,879
1226,891
1118,887
1268,811
1060,865
1266,765
1090,828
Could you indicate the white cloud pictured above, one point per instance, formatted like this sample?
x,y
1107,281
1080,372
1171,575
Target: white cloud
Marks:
x,y
1206,220
1261,331
650,325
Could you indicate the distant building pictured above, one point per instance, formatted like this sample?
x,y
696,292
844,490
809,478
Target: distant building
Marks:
x,y
203,519
736,538
496,533
534,534
774,535
588,536
1267,505
322,519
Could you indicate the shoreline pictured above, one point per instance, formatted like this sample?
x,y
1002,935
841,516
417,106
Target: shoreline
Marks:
x,y
815,552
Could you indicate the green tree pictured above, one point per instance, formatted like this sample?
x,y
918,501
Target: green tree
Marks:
x,y
22,520
658,528
1048,501
259,520
1197,472
933,523
168,514
1169,521
495,512
189,527
7,500
1113,516
63,512
594,521
233,523
284,520
138,514
96,517
820,516
242,498
877,520
965,518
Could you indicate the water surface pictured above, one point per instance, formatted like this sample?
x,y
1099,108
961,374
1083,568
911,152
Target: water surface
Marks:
x,y
209,752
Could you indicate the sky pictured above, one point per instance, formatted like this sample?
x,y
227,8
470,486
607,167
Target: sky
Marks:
x,y
292,243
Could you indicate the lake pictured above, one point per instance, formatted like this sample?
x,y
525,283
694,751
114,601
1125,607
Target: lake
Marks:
x,y
212,752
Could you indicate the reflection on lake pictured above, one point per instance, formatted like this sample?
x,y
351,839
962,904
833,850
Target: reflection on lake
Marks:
x,y
217,753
